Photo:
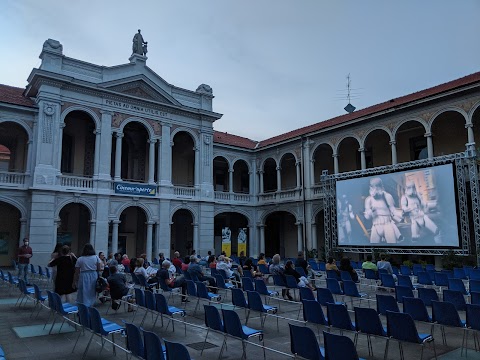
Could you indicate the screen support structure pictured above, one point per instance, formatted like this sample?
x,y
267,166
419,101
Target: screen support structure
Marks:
x,y
466,170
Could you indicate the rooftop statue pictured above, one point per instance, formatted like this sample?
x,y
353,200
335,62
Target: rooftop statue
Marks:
x,y
139,46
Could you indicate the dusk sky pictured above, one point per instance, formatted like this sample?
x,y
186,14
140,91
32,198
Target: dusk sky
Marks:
x,y
274,65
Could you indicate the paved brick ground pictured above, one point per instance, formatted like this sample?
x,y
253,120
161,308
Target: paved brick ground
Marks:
x,y
59,346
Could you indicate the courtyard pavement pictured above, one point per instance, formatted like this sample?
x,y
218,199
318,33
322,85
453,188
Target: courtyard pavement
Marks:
x,y
23,336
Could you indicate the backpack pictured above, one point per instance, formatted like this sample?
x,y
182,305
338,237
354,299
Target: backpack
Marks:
x,y
101,284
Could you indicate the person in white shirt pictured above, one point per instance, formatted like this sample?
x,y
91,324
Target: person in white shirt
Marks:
x,y
225,263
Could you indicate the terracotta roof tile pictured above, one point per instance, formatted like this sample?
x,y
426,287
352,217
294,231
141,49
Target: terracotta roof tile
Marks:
x,y
233,140
14,95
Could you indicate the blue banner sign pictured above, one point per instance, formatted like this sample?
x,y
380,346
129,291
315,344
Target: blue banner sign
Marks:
x,y
135,189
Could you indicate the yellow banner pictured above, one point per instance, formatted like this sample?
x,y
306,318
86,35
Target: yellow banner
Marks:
x,y
227,241
242,241
227,247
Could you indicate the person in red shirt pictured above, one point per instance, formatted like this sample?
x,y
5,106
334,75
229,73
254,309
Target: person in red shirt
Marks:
x,y
176,260
24,254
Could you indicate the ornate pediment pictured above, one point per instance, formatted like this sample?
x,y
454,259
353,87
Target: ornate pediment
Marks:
x,y
140,90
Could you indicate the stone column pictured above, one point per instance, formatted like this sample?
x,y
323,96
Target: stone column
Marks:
x,y
159,160
262,238
251,183
335,163
230,180
96,161
299,236
313,240
260,173
196,243
197,166
151,161
471,136
105,147
279,178
28,167
23,230
166,145
118,156
56,225
429,145
298,168
60,142
363,161
92,232
393,144
312,172
149,239
115,224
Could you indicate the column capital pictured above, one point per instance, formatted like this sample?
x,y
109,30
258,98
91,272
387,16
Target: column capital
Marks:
x,y
427,134
361,149
151,141
62,125
119,134
92,222
150,223
261,225
278,168
23,220
97,132
393,142
298,223
260,172
335,155
230,170
106,112
116,222
468,125
298,163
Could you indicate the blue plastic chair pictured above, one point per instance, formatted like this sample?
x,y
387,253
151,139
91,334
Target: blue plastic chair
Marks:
x,y
39,299
449,273
261,288
474,285
405,270
153,346
332,274
444,313
150,305
203,293
456,298
334,286
213,321
386,303
234,327
325,296
473,323
441,279
405,281
338,317
176,351
423,278
144,284
474,274
416,309
475,298
134,341
322,266
247,284
313,313
401,291
350,289
345,276
457,285
338,347
416,269
238,300
25,293
459,273
368,322
102,330
291,283
401,327
255,303
427,295
64,310
371,275
301,271
164,309
387,281
140,302
430,267
303,342
306,294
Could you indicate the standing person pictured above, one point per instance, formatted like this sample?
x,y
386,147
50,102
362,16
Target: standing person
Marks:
x,y
24,254
87,270
55,254
65,264
277,269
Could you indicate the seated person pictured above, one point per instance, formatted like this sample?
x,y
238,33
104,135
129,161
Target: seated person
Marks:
x,y
331,265
185,263
225,263
346,266
301,262
261,259
212,262
196,271
165,276
368,264
140,270
119,288
249,266
301,280
384,264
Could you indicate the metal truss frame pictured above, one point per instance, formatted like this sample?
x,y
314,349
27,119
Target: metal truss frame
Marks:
x,y
466,169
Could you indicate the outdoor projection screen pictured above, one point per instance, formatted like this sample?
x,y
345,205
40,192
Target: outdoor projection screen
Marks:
x,y
414,208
